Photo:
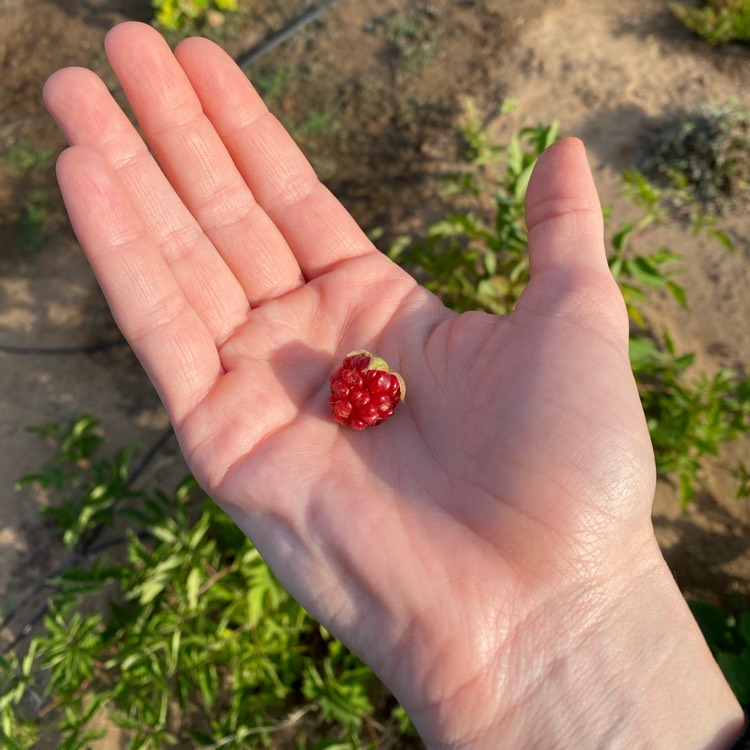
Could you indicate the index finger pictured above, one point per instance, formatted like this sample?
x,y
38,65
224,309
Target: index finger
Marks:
x,y
167,334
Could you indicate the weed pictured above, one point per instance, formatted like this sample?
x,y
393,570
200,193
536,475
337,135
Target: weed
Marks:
x,y
410,37
192,15
742,475
316,122
273,81
30,169
702,157
477,257
200,646
31,234
717,21
25,159
472,260
728,635
688,419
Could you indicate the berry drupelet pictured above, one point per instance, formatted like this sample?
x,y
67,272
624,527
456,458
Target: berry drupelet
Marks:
x,y
364,390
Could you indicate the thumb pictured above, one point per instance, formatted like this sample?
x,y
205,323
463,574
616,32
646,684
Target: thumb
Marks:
x,y
563,213
569,274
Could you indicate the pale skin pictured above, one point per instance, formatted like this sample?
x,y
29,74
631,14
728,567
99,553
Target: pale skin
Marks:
x,y
488,550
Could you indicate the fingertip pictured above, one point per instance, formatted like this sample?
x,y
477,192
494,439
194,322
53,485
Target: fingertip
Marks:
x,y
129,28
132,37
561,173
567,254
563,213
194,43
569,146
198,54
50,87
72,162
57,84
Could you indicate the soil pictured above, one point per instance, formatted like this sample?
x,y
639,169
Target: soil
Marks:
x,y
373,91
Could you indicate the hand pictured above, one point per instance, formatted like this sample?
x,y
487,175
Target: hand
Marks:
x,y
488,550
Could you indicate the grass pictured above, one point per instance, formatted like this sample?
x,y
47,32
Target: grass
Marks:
x,y
30,167
717,21
702,157
410,37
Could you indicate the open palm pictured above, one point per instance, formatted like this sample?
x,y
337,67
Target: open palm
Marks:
x,y
437,544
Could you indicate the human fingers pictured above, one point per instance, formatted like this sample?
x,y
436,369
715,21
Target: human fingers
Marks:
x,y
89,116
317,227
563,214
169,337
197,164
569,274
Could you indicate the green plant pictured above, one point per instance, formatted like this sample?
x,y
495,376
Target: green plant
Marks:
x,y
180,15
315,122
31,233
717,21
742,475
702,157
688,419
95,492
476,257
25,159
184,637
410,37
728,635
30,170
272,81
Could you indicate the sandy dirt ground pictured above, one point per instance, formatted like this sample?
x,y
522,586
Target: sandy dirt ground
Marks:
x,y
606,71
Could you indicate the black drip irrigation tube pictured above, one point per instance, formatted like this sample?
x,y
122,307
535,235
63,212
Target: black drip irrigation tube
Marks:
x,y
244,61
285,32
61,350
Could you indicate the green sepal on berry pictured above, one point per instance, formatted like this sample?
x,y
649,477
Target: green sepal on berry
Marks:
x,y
364,390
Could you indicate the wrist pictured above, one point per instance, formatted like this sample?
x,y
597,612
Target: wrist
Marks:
x,y
652,680
640,673
628,669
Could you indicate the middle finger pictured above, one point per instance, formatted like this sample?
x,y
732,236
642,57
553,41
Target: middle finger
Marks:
x,y
197,164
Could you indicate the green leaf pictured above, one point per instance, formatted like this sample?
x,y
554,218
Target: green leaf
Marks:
x,y
194,581
736,668
723,238
678,292
621,237
642,349
615,266
130,660
174,652
687,489
646,272
208,683
715,623
165,533
398,247
490,263
523,182
27,664
744,627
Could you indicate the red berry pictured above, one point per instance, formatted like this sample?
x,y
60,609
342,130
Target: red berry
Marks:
x,y
364,390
